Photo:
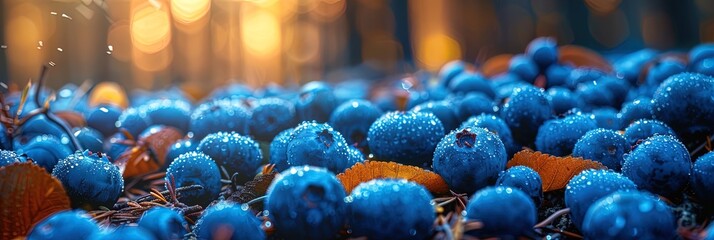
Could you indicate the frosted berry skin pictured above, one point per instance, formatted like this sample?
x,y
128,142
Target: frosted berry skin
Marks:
x,y
163,223
602,145
525,179
470,159
526,109
408,205
238,154
8,158
315,102
471,82
45,151
684,102
133,120
589,186
195,168
474,104
661,165
317,144
558,136
702,181
443,110
224,218
103,117
278,149
64,225
90,179
543,51
524,67
644,128
629,215
353,119
219,116
504,212
306,203
405,137
271,116
174,113
355,156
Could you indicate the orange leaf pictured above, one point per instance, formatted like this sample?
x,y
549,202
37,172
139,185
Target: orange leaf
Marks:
x,y
363,172
554,171
582,57
29,194
496,65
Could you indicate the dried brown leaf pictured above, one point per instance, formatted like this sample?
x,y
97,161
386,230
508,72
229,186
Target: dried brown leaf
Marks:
x,y
554,171
363,172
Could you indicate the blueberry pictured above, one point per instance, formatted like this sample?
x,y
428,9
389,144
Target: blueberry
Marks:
x,y
594,95
701,52
661,165
232,91
525,179
123,232
317,145
353,119
629,215
270,117
580,76
405,137
702,181
495,125
558,136
236,153
643,129
9,157
661,70
470,159
449,71
443,110
630,66
195,168
219,116
228,220
470,82
524,67
705,67
618,87
133,120
526,109
90,139
562,100
408,205
589,186
607,118
504,212
45,151
684,102
278,148
315,102
37,126
474,104
504,87
351,89
640,108
115,147
90,180
543,51
64,225
602,145
179,147
163,223
103,117
174,113
306,203
557,75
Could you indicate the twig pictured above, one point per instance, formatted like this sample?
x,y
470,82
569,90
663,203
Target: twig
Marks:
x,y
552,218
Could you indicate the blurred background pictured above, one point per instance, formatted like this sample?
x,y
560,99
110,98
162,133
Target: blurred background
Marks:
x,y
201,44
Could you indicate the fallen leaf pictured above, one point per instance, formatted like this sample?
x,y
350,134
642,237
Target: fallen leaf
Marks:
x,y
29,194
496,65
554,171
363,172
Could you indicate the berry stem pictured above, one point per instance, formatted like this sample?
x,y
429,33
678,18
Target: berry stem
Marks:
x,y
552,218
51,117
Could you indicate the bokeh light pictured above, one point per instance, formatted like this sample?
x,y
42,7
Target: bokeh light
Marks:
x,y
261,32
150,28
189,11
